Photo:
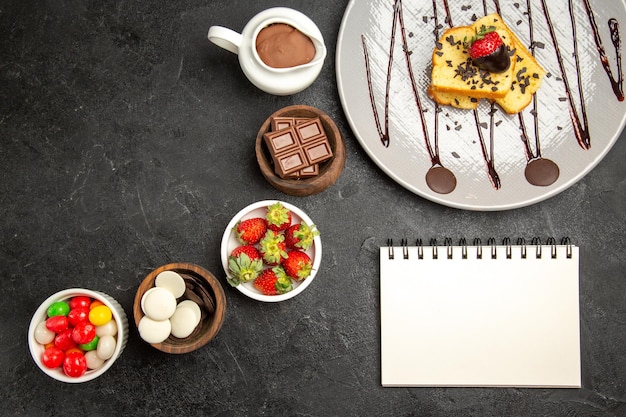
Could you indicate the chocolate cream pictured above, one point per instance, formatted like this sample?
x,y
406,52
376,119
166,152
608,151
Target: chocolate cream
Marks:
x,y
282,46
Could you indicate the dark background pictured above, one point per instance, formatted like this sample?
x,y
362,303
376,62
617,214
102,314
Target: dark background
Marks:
x,y
126,142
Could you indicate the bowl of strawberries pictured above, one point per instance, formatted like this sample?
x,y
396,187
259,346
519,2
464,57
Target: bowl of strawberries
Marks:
x,y
271,251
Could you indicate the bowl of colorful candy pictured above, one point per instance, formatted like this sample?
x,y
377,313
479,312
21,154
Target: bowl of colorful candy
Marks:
x,y
77,334
271,251
179,307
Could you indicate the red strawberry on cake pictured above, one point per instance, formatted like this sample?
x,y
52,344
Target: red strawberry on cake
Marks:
x,y
488,51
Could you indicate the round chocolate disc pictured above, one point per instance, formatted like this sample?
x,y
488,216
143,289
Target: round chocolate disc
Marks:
x,y
441,180
541,172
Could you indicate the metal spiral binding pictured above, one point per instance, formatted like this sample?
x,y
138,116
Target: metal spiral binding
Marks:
x,y
507,243
463,244
552,242
479,248
568,247
536,242
405,249
521,242
448,244
477,243
433,244
492,242
420,249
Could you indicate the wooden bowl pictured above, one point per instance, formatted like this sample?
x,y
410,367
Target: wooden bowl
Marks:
x,y
204,289
329,171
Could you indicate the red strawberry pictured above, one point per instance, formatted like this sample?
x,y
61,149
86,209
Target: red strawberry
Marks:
x,y
250,231
488,51
278,217
273,282
273,248
298,265
244,264
300,236
249,250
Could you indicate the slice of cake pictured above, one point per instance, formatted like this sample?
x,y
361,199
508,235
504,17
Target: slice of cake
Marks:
x,y
453,99
527,78
459,82
454,71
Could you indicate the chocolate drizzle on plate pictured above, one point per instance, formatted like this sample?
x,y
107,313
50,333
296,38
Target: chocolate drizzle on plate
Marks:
x,y
580,121
487,152
539,171
438,178
617,85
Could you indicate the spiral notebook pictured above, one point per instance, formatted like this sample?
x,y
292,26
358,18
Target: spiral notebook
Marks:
x,y
494,315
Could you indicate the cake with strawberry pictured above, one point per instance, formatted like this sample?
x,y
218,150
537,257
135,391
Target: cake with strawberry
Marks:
x,y
484,61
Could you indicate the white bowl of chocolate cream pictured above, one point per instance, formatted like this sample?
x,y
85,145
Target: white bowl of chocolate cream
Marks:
x,y
280,50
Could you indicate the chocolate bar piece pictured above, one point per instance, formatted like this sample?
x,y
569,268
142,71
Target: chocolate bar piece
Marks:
x,y
298,146
290,162
281,141
310,171
310,131
318,151
279,122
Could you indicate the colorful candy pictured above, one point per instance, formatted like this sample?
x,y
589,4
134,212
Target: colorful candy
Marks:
x,y
93,361
60,308
78,315
64,340
74,364
43,335
83,333
80,301
100,315
52,357
78,335
109,328
106,347
90,345
57,324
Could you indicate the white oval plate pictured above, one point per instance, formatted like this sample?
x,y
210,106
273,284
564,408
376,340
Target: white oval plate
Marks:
x,y
407,160
229,242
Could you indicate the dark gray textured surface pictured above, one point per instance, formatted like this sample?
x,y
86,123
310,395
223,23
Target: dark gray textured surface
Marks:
x,y
126,142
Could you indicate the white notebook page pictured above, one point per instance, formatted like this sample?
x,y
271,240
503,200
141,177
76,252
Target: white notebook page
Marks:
x,y
480,322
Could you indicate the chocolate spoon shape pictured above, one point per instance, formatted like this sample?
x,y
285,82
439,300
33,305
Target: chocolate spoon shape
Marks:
x,y
440,179
541,172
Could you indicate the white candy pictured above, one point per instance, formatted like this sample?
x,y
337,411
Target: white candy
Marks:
x,y
93,361
106,347
183,322
43,335
143,298
153,331
192,305
159,304
109,328
172,281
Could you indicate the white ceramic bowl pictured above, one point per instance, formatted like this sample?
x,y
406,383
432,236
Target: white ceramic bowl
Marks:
x,y
36,349
229,242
